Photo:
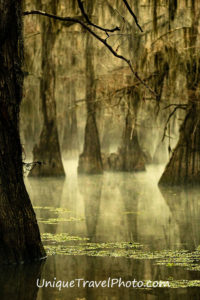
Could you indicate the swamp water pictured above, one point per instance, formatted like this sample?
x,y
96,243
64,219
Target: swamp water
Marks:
x,y
116,225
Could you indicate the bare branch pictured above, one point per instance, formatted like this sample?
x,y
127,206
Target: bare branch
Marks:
x,y
103,41
132,14
169,32
80,4
183,106
64,19
31,165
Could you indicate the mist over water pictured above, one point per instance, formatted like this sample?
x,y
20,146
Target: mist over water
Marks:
x,y
114,208
119,224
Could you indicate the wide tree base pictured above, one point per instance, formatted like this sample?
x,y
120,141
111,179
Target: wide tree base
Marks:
x,y
184,165
47,154
90,161
89,165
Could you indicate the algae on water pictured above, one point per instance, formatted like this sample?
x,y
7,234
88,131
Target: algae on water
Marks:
x,y
131,250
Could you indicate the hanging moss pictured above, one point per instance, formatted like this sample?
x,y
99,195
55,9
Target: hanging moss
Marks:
x,y
161,71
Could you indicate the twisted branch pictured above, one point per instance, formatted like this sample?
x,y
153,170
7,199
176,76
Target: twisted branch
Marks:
x,y
103,41
80,4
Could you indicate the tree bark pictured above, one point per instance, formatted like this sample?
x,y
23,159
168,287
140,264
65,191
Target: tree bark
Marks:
x,y
48,149
19,233
90,161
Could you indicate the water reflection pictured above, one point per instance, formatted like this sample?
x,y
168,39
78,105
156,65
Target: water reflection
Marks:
x,y
117,207
19,282
91,268
46,193
130,201
90,188
185,209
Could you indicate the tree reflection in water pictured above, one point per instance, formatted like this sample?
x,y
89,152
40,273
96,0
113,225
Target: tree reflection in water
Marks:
x,y
118,207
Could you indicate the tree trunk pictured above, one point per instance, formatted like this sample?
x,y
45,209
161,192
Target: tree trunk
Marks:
x,y
19,233
184,165
48,149
133,158
107,134
90,160
70,145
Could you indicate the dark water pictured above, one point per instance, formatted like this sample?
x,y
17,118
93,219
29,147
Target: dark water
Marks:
x,y
111,209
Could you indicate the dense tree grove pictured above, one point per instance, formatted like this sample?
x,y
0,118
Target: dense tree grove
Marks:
x,y
114,86
148,110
